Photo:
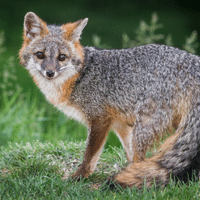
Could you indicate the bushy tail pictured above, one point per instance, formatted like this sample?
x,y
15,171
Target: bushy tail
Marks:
x,y
179,157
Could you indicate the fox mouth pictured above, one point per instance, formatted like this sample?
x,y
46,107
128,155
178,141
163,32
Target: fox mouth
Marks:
x,y
50,74
43,73
50,78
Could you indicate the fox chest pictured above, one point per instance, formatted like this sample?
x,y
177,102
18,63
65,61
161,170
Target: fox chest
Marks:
x,y
59,98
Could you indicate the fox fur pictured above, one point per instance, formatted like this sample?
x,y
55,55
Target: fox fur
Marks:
x,y
138,92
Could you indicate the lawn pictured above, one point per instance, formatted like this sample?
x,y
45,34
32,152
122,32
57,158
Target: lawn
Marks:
x,y
36,170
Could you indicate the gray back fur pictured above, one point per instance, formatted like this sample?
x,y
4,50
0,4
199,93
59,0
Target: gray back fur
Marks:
x,y
130,79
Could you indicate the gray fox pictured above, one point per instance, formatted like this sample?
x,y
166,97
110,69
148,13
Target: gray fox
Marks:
x,y
138,92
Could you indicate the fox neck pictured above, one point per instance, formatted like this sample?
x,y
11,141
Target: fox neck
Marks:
x,y
58,90
58,93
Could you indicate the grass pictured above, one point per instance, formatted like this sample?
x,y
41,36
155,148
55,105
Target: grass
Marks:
x,y
35,171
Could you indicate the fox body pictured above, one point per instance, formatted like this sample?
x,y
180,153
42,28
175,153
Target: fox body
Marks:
x,y
139,93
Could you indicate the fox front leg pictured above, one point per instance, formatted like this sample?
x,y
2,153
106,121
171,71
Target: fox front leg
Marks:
x,y
96,139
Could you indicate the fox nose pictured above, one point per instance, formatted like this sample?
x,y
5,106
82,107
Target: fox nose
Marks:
x,y
50,73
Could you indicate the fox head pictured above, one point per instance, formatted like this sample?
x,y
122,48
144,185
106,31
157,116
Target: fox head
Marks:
x,y
49,51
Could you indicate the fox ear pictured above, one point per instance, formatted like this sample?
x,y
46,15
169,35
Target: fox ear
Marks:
x,y
34,26
74,30
80,25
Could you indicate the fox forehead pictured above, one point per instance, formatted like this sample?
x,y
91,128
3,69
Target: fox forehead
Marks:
x,y
52,42
55,30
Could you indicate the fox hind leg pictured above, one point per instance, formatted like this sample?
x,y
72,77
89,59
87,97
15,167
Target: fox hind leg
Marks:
x,y
124,133
178,157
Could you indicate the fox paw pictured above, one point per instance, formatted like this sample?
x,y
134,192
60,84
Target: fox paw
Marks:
x,y
80,174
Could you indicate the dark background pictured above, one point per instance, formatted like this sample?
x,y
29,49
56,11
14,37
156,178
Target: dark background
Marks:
x,y
108,19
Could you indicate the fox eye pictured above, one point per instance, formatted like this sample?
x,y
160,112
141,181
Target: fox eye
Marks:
x,y
40,55
62,57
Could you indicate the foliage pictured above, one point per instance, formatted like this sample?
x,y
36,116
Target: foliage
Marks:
x,y
9,86
147,34
2,49
191,43
97,42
